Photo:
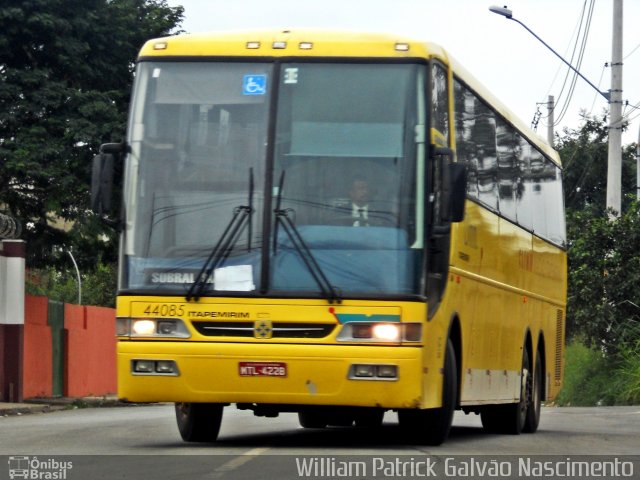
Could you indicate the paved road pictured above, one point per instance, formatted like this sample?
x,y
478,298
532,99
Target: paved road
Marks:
x,y
270,446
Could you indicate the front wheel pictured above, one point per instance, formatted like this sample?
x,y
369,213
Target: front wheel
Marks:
x,y
432,426
369,418
312,419
199,422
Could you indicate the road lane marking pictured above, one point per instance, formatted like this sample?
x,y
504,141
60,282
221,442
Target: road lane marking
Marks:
x,y
237,462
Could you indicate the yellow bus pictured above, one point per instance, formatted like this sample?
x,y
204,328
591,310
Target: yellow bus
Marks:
x,y
338,225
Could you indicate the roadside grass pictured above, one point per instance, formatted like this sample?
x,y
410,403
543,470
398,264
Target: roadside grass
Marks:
x,y
590,378
628,374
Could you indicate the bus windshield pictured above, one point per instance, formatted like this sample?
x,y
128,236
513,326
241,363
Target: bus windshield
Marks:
x,y
338,187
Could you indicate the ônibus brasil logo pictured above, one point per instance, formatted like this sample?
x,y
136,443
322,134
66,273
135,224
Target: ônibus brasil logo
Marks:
x,y
38,469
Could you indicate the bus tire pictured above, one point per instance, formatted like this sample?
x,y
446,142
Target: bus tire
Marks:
x,y
533,409
199,422
312,419
369,418
432,426
509,418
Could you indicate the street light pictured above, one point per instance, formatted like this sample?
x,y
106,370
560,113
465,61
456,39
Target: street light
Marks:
x,y
613,97
505,12
77,276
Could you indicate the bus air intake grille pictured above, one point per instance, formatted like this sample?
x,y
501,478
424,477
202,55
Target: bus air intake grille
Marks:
x,y
559,344
277,329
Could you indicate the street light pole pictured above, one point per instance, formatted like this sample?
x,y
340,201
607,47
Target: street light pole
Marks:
x,y
505,12
79,278
614,97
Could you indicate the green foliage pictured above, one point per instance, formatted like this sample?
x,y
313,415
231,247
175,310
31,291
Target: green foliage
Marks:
x,y
98,285
584,152
603,303
628,373
65,76
604,274
586,377
592,378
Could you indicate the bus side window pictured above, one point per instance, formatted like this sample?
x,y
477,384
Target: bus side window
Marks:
x,y
440,103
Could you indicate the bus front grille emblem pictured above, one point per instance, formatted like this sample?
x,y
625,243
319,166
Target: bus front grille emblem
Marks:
x,y
262,329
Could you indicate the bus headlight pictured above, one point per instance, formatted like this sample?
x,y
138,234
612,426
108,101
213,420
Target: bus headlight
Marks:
x,y
386,332
380,332
151,328
143,328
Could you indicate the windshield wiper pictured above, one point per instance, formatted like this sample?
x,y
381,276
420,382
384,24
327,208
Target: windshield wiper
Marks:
x,y
224,246
282,218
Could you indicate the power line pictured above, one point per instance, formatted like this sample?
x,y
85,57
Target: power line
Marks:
x,y
634,107
536,119
575,30
583,48
595,95
631,52
559,97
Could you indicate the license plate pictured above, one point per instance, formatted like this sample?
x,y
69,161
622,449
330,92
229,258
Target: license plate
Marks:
x,y
262,369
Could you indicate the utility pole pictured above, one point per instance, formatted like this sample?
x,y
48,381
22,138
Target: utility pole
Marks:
x,y
614,169
613,96
638,167
550,119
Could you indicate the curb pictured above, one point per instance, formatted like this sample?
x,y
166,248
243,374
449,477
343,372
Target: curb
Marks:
x,y
22,409
46,405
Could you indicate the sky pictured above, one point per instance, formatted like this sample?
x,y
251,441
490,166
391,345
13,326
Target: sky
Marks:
x,y
500,53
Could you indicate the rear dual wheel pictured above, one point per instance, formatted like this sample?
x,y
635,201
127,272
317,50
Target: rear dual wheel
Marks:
x,y
524,416
535,401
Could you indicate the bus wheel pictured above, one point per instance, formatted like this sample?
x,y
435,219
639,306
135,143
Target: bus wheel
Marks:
x,y
533,411
369,418
312,419
510,418
432,426
199,422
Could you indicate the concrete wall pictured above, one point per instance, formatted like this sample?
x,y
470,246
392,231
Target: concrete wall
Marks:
x,y
90,350
86,350
47,348
37,371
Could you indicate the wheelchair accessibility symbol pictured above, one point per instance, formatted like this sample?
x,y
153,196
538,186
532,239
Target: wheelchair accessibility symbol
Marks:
x,y
254,85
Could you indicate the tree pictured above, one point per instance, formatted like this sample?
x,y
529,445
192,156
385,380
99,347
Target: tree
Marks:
x,y
603,305
66,68
584,155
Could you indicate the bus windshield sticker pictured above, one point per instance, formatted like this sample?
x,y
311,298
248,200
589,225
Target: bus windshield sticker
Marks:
x,y
254,85
237,278
290,75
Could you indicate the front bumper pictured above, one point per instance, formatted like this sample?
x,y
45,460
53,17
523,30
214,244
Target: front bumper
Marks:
x,y
316,374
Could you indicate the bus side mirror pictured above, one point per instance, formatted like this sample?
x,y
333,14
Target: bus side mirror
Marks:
x,y
458,192
102,183
449,187
102,177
